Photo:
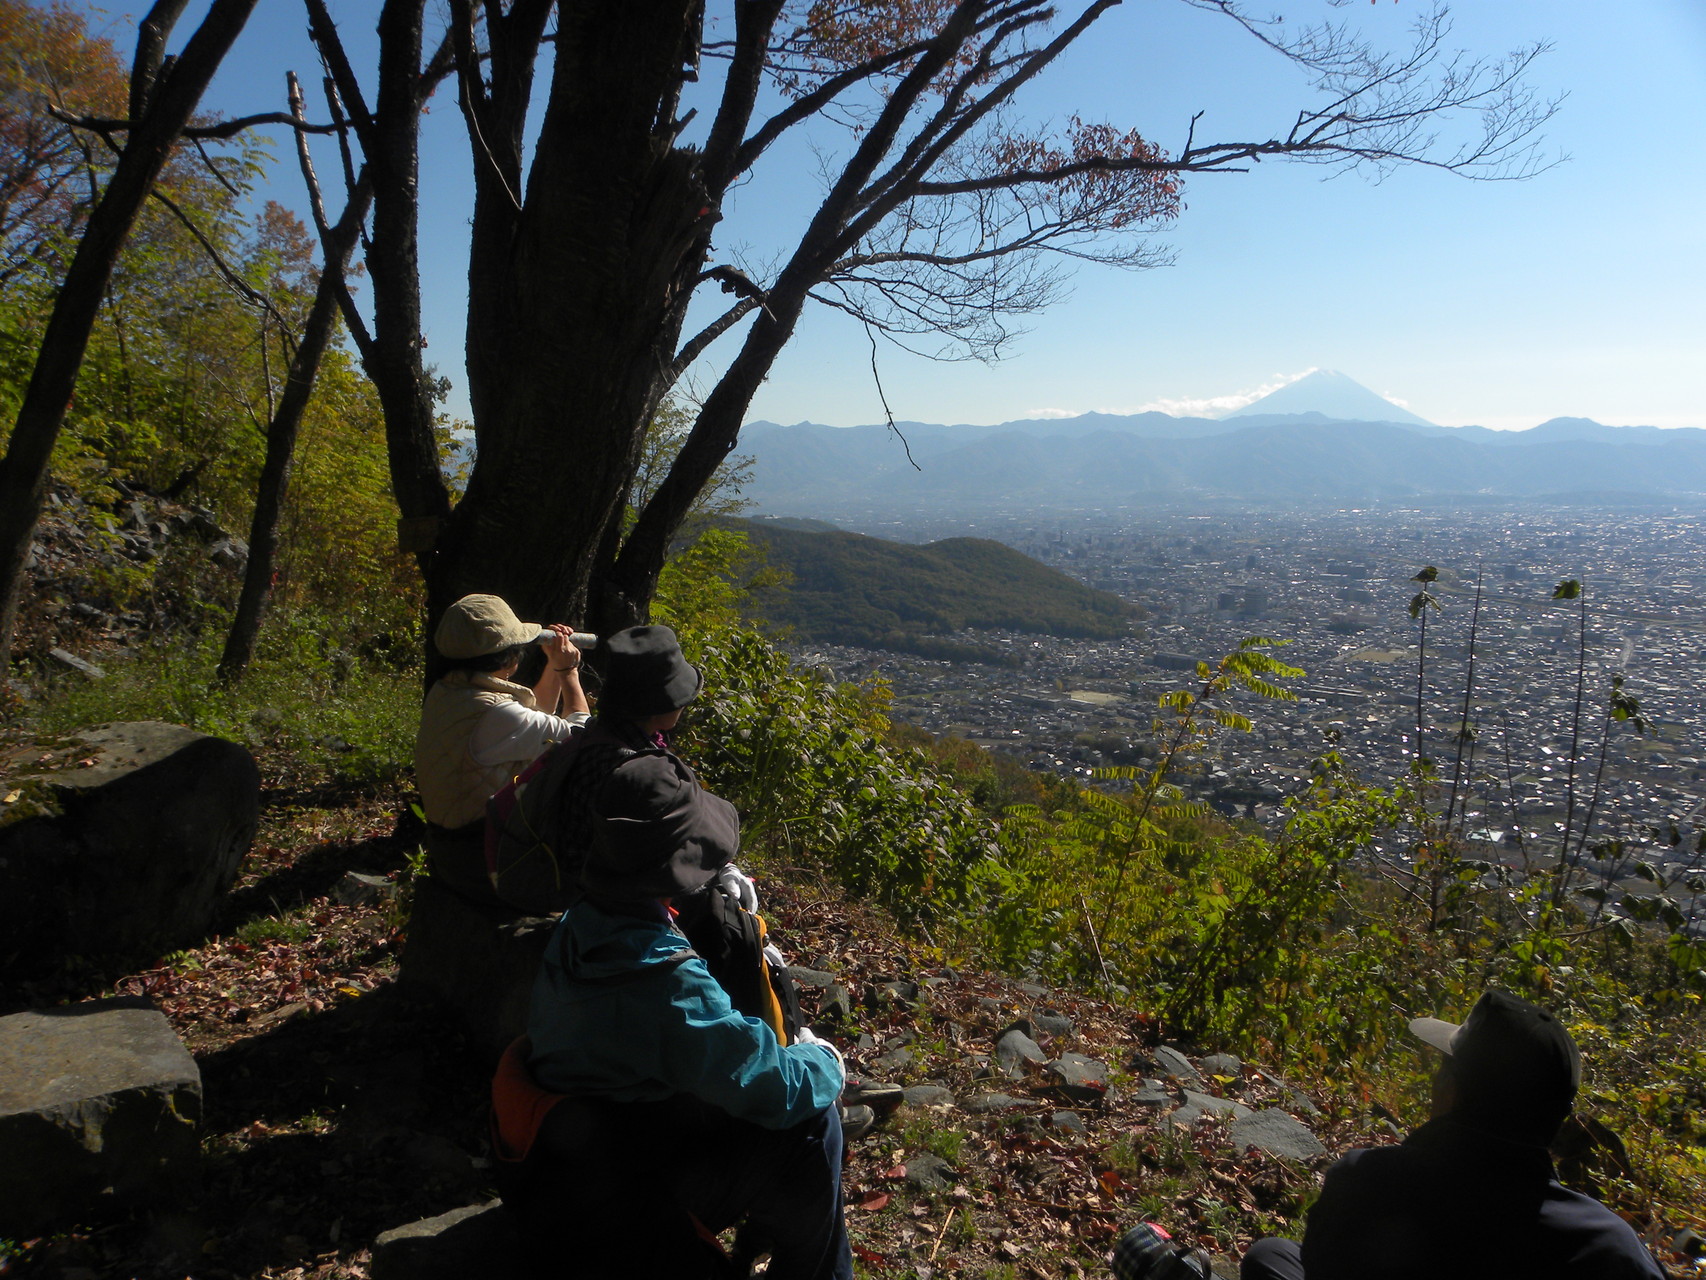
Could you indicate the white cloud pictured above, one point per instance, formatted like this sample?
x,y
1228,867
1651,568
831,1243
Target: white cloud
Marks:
x,y
1052,413
1215,406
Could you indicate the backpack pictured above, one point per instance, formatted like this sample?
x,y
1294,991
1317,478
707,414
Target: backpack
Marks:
x,y
533,853
731,941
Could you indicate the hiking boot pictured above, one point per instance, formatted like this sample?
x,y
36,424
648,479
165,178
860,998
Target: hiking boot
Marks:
x,y
881,1098
856,1122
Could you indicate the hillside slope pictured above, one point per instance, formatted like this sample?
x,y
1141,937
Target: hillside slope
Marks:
x,y
848,588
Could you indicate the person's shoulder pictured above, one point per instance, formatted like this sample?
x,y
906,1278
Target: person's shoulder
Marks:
x,y
1603,1245
1365,1162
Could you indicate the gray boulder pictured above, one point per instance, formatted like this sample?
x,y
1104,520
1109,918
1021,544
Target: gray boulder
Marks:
x,y
1067,1122
1197,1105
128,854
929,1095
1174,1063
1080,1078
88,670
1052,1024
930,1172
1223,1064
1152,1093
895,1061
479,1240
95,1099
1273,1131
358,889
1014,1050
820,979
478,959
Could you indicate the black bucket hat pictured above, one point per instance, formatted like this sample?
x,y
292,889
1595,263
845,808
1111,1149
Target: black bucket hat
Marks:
x,y
658,833
645,673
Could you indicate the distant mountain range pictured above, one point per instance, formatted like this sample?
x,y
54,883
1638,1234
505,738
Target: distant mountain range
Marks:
x,y
1099,459
851,589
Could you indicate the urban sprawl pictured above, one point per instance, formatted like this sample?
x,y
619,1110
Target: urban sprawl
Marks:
x,y
1337,586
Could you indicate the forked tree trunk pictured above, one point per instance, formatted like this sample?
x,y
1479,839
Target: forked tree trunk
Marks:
x,y
576,304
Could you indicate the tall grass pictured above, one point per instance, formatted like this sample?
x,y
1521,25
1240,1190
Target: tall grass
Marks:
x,y
328,706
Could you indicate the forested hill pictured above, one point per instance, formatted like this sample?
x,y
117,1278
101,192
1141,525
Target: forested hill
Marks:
x,y
848,588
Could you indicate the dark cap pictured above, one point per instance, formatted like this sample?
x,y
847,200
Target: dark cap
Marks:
x,y
645,673
658,832
1515,1066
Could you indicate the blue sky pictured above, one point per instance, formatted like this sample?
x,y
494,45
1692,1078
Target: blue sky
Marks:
x,y
1579,292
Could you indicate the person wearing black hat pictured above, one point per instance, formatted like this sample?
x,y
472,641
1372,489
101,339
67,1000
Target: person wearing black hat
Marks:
x,y
680,1104
1471,1193
647,685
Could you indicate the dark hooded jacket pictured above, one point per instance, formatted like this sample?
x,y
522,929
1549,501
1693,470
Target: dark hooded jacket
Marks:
x,y
1455,1201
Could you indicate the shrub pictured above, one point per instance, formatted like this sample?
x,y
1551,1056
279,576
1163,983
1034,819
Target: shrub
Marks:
x,y
806,761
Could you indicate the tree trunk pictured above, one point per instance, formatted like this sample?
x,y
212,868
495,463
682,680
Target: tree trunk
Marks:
x,y
24,471
281,443
576,304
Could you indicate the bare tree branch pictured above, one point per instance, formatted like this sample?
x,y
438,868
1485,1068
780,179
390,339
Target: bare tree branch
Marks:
x,y
223,131
695,346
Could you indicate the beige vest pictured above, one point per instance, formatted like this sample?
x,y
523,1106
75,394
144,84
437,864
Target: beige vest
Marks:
x,y
454,789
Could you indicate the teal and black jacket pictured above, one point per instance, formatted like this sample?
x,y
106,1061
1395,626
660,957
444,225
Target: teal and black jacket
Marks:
x,y
624,1010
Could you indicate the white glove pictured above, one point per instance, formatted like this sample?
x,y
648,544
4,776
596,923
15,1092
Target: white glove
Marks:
x,y
773,954
807,1036
737,887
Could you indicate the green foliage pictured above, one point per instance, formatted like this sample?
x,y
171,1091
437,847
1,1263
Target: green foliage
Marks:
x,y
187,360
704,585
311,692
1147,890
337,539
275,929
806,761
48,62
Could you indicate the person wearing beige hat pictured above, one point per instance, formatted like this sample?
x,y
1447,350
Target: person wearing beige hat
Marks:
x,y
479,728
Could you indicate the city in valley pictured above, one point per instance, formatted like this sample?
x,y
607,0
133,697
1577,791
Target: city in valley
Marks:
x,y
1337,587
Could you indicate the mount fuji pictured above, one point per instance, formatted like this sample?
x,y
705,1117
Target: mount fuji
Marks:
x,y
1330,394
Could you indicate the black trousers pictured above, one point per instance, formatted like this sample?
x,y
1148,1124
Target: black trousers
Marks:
x,y
1272,1258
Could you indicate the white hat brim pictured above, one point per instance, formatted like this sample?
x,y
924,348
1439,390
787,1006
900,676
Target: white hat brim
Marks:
x,y
1434,1031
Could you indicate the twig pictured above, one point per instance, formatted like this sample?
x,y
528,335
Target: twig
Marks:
x,y
942,1234
1094,944
1468,700
887,412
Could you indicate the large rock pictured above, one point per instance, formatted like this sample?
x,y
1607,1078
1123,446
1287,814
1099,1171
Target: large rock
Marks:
x,y
94,1098
1016,1052
1277,1133
1197,1105
1173,1063
479,959
135,836
1080,1078
479,1240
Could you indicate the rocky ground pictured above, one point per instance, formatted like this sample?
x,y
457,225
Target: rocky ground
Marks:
x,y
1038,1124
